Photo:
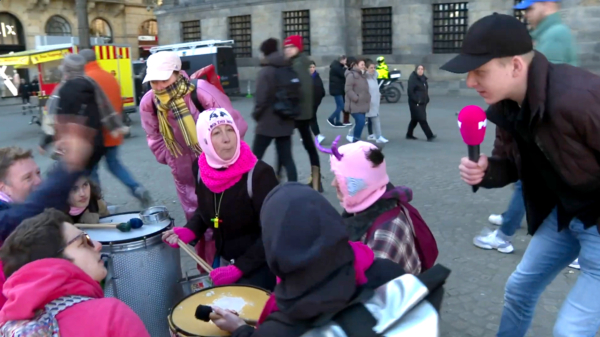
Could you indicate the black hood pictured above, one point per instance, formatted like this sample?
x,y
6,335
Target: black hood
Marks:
x,y
276,59
336,64
306,245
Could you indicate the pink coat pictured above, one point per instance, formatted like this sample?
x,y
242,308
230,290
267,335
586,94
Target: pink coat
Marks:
x,y
37,283
210,97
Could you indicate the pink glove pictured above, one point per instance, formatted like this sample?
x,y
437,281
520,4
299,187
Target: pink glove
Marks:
x,y
225,275
185,234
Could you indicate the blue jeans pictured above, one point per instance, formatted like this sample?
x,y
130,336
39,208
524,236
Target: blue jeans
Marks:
x,y
512,218
339,107
549,252
359,121
116,168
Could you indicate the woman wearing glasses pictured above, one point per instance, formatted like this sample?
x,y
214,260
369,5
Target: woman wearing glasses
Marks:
x,y
49,264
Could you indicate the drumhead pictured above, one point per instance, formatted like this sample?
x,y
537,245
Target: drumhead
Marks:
x,y
248,301
113,235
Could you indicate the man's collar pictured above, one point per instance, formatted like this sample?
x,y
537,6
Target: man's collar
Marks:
x,y
537,84
545,24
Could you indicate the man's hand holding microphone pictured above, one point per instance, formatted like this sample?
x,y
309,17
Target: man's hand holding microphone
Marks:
x,y
472,123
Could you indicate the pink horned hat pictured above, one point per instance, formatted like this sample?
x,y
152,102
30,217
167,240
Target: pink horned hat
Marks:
x,y
359,182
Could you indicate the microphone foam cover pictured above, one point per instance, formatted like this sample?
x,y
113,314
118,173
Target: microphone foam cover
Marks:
x,y
203,312
472,123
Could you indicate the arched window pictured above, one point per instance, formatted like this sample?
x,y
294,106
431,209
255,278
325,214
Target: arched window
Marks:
x,y
149,27
101,28
11,30
58,26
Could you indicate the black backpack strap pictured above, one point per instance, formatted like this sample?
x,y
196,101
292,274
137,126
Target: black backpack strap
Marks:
x,y
194,96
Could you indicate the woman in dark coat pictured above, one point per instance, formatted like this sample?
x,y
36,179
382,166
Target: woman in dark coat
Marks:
x,y
418,98
318,94
337,82
231,187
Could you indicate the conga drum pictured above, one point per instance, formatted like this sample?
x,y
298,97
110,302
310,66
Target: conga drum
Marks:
x,y
248,301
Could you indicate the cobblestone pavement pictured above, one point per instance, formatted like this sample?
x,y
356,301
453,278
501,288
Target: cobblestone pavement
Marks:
x,y
474,292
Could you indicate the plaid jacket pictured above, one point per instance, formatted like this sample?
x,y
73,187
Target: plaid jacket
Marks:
x,y
395,240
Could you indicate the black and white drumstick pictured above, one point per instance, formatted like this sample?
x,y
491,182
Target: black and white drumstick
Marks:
x,y
134,223
206,313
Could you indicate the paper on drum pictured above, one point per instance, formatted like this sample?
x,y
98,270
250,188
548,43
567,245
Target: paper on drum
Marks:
x,y
248,301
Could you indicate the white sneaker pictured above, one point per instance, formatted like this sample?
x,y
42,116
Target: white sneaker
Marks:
x,y
492,241
320,138
350,138
575,264
371,137
495,219
382,140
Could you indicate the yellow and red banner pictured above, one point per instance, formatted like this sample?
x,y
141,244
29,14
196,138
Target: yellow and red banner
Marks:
x,y
50,56
14,61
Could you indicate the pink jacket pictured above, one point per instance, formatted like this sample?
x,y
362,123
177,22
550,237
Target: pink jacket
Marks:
x,y
42,281
210,97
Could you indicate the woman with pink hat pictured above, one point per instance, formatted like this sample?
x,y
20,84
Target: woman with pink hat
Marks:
x,y
232,184
169,114
377,213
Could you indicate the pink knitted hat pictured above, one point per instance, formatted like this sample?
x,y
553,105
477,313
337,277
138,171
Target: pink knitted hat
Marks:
x,y
360,183
208,120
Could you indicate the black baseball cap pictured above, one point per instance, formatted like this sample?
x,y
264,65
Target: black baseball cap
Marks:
x,y
493,36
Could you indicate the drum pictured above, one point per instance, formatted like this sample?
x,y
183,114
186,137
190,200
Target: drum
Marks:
x,y
142,270
193,284
248,301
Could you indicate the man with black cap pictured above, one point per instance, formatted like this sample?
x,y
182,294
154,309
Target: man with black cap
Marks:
x,y
550,115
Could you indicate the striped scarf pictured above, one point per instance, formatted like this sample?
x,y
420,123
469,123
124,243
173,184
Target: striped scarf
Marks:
x,y
172,99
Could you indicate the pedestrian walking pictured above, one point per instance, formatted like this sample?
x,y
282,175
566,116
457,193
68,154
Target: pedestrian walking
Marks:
x,y
358,98
109,84
337,82
269,124
374,124
553,39
318,94
418,98
549,112
25,91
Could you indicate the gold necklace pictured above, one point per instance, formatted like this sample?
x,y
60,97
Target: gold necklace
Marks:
x,y
216,221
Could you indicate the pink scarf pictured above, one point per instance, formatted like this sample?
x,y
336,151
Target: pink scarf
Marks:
x,y
75,211
363,259
218,180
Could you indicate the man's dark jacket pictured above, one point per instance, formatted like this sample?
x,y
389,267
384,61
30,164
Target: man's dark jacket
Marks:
x,y
561,128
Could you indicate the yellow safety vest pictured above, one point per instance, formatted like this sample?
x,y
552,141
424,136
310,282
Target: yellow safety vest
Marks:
x,y
383,71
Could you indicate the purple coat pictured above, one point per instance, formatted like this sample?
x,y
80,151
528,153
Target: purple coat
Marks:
x,y
181,167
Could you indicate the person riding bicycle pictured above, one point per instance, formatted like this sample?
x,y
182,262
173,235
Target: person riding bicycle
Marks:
x,y
382,69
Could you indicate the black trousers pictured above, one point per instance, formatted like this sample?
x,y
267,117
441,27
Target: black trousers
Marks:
x,y
418,115
283,146
308,141
314,125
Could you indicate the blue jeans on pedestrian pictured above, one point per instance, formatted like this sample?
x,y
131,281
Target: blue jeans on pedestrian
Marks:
x,y
339,107
116,168
513,216
549,252
359,125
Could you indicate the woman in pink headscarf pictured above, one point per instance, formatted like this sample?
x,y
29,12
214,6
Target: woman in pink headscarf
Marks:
x,y
169,114
232,185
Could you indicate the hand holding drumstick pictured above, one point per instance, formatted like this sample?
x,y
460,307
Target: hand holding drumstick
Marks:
x,y
226,320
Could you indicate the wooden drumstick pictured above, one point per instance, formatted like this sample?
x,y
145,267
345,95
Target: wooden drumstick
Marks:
x,y
123,227
203,264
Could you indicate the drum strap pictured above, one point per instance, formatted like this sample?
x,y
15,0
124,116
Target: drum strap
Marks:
x,y
249,181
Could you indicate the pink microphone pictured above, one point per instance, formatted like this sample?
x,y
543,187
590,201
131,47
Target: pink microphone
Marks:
x,y
472,123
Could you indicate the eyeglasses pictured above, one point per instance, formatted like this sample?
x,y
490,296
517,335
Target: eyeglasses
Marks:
x,y
86,237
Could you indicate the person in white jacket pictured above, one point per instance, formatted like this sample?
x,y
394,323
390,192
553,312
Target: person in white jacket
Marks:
x,y
374,126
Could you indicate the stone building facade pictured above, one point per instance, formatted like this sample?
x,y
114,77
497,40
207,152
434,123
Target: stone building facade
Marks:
x,y
401,30
119,21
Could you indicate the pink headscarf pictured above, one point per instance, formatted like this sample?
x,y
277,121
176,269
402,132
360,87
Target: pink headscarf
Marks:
x,y
218,174
207,121
360,183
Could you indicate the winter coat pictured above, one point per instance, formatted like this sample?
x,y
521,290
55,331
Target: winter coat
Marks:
x,y
112,90
358,99
52,193
318,90
181,167
37,283
268,123
418,89
337,79
558,141
25,89
375,94
554,39
301,63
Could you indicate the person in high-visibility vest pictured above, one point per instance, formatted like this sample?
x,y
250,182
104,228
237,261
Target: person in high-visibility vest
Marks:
x,y
382,69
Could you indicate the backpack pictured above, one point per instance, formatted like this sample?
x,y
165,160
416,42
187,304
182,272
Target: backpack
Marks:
x,y
44,323
288,93
193,96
